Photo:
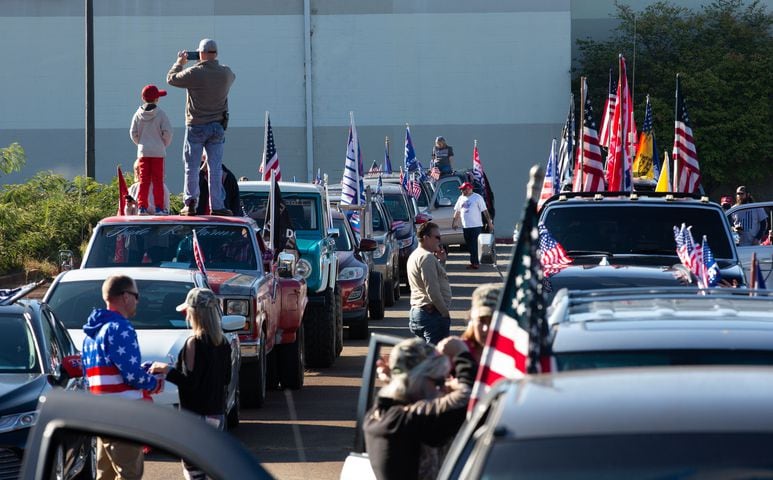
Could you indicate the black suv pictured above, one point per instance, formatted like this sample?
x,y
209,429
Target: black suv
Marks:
x,y
619,240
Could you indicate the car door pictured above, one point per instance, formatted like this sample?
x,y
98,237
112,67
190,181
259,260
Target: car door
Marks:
x,y
763,253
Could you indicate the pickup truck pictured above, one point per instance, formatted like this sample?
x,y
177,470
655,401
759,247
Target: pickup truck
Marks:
x,y
315,241
239,269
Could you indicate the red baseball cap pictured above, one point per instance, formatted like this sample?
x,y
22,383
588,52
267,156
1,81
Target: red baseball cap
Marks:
x,y
151,92
465,185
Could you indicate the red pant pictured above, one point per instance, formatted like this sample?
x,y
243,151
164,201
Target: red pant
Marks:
x,y
151,171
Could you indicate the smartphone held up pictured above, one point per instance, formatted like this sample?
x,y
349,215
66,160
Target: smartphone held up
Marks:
x,y
193,55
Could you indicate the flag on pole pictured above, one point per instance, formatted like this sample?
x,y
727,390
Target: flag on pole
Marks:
x,y
517,341
318,178
710,265
647,164
664,180
619,161
757,280
352,186
609,111
690,254
278,220
387,160
565,170
684,153
549,184
551,254
410,161
589,152
123,190
478,174
198,254
415,190
374,168
270,157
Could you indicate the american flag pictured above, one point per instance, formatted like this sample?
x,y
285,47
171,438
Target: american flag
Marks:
x,y
270,157
551,254
415,190
564,173
589,152
387,160
352,186
710,265
622,138
690,254
435,173
374,168
549,184
198,255
318,178
685,155
517,342
609,111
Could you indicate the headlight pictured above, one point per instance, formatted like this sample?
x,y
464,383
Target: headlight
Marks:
x,y
303,268
351,273
237,307
405,242
17,421
379,251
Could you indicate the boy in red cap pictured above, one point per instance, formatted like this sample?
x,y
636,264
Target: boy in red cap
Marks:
x,y
152,133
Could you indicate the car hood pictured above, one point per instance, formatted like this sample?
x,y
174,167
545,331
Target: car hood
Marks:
x,y
19,392
231,283
585,277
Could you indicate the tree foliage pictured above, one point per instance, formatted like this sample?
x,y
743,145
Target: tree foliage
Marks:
x,y
12,158
724,55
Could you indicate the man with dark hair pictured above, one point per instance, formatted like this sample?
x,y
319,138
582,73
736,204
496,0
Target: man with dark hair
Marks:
x,y
112,366
430,316
206,117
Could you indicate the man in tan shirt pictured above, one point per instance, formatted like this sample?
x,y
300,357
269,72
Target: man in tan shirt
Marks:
x,y
430,317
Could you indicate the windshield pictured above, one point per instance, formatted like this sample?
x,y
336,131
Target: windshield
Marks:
x,y
73,302
171,245
17,346
635,229
302,209
448,190
395,203
642,358
645,456
343,242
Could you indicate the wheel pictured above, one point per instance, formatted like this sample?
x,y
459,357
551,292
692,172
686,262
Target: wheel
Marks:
x,y
358,329
272,370
252,378
320,324
389,293
232,416
376,307
339,322
291,362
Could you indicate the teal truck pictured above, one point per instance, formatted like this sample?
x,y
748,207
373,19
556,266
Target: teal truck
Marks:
x,y
315,241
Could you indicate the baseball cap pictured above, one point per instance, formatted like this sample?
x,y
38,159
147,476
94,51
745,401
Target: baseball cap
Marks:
x,y
151,92
741,189
485,299
406,355
465,185
198,298
207,45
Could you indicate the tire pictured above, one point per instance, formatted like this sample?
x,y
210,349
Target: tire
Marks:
x,y
320,324
272,369
376,307
291,362
232,416
358,329
252,378
389,293
339,322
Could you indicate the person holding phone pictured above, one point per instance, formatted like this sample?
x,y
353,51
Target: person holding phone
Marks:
x,y
206,117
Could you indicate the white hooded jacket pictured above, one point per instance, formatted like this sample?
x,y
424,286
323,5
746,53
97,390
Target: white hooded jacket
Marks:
x,y
151,131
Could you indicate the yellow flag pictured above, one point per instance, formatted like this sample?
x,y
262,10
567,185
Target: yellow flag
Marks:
x,y
664,182
643,166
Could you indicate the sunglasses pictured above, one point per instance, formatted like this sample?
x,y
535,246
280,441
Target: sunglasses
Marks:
x,y
134,294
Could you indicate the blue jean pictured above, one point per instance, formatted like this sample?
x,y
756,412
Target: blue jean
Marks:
x,y
431,326
208,137
471,239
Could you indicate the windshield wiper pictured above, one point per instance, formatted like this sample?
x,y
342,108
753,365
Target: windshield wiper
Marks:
x,y
589,253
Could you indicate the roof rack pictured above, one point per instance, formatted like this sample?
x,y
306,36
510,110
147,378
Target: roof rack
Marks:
x,y
635,195
10,295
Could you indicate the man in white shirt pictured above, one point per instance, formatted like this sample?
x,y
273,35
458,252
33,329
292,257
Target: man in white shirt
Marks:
x,y
471,208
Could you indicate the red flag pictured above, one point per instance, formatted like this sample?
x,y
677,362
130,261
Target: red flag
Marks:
x,y
588,152
198,255
684,154
123,190
622,141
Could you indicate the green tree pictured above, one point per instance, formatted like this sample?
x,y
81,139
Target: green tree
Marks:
x,y
724,54
12,158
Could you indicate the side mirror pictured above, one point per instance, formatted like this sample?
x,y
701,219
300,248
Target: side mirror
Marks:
x,y
233,323
368,245
422,218
286,265
332,232
72,366
444,202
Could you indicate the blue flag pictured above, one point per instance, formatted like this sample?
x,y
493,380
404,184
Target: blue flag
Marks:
x,y
387,161
712,269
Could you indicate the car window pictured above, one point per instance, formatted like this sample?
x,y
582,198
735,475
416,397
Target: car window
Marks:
x,y
73,302
395,203
449,189
51,345
302,209
17,346
378,221
635,229
343,242
747,222
225,247
642,358
60,331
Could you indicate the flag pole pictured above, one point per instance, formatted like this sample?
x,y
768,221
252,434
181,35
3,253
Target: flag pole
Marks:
x,y
581,132
356,155
676,116
273,209
262,169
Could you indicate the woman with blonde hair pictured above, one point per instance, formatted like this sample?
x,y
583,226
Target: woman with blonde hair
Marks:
x,y
485,299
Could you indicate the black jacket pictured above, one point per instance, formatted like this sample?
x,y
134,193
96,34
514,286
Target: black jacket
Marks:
x,y
203,389
231,188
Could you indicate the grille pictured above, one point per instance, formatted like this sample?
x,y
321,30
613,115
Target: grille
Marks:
x,y
10,464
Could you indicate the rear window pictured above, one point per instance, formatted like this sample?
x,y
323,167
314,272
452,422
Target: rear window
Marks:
x,y
636,228
302,209
224,247
646,358
17,346
73,302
